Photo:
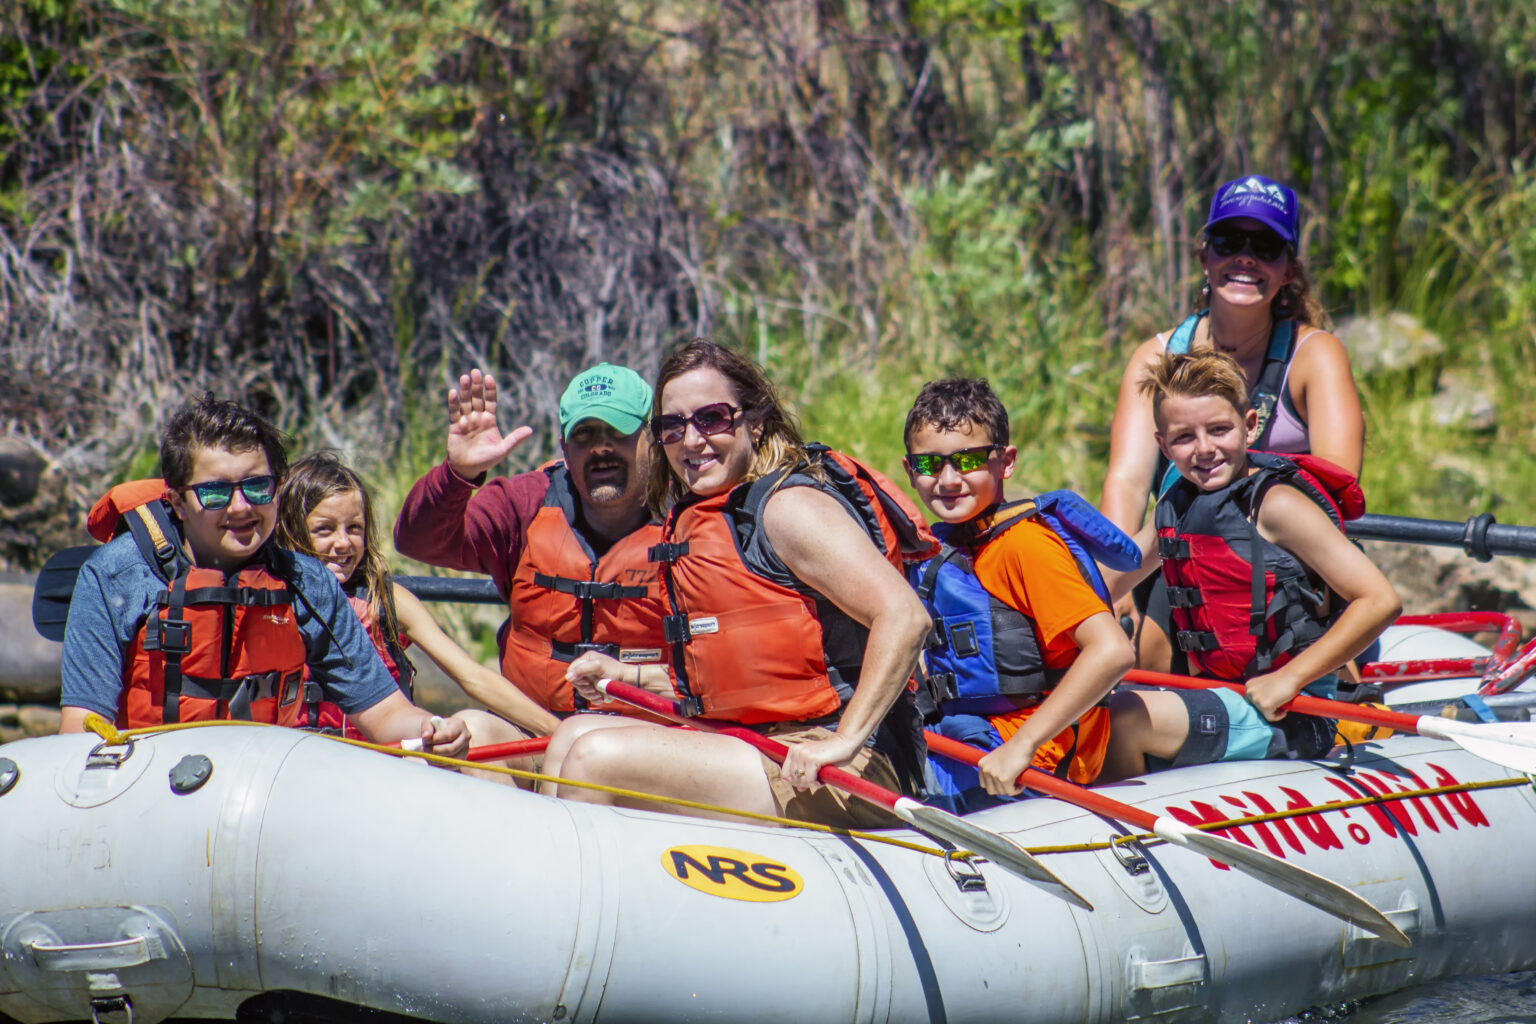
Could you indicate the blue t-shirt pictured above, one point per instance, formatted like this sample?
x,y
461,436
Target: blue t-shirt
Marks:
x,y
116,589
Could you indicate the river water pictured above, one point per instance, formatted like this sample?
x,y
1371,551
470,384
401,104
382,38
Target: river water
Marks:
x,y
1503,999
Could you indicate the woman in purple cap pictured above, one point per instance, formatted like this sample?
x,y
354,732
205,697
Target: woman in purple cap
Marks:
x,y
1259,310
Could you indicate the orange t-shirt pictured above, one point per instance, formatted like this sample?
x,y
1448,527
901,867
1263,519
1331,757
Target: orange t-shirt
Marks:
x,y
1030,569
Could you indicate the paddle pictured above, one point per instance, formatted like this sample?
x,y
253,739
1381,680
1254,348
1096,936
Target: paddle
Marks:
x,y
997,848
1510,744
492,751
1311,888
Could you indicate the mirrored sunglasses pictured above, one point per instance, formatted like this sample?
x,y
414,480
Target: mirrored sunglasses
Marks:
x,y
217,494
708,420
1265,244
966,460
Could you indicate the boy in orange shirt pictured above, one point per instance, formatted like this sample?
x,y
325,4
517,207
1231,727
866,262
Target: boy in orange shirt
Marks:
x,y
1025,651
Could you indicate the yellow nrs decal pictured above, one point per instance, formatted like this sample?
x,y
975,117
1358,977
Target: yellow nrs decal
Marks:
x,y
732,874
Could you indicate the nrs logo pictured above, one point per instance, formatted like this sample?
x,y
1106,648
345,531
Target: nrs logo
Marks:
x,y
732,874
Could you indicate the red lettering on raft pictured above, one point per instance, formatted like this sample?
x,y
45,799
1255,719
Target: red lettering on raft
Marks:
x,y
1313,831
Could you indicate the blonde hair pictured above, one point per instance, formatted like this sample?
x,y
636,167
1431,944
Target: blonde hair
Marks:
x,y
311,481
778,444
1194,375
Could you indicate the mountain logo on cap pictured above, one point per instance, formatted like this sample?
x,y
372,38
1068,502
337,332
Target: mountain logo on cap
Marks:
x,y
1257,188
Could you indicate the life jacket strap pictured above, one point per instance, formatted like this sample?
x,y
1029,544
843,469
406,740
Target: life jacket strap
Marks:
x,y
666,552
587,590
1173,547
1185,597
1196,640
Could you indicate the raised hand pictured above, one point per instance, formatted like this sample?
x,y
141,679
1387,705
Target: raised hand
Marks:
x,y
475,441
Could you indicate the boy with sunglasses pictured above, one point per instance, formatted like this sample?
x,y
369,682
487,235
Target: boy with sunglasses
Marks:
x,y
1024,649
188,613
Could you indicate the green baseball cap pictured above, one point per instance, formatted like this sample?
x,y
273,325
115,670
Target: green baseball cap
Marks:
x,y
617,395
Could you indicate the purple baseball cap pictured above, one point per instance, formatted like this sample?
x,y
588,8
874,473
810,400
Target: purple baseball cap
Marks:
x,y
1263,199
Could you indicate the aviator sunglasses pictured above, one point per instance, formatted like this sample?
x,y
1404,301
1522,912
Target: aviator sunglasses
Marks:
x,y
966,460
717,418
217,494
1265,244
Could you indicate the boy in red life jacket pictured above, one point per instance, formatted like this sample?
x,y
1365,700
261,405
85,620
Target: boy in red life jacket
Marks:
x,y
1041,707
1238,520
227,632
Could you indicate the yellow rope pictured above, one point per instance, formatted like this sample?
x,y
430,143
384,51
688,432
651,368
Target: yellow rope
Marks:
x,y
114,737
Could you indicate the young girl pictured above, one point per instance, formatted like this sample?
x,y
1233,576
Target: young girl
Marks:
x,y
325,510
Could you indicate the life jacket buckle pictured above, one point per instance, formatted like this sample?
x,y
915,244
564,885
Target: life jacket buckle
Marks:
x,y
290,688
666,552
171,636
675,629
1173,547
962,640
691,706
1193,640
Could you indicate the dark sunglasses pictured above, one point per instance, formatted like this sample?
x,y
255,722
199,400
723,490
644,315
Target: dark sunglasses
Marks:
x,y
217,494
706,419
1265,244
966,460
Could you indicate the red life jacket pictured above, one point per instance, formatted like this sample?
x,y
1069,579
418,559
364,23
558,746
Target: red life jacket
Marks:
x,y
327,715
1241,605
213,646
565,600
750,643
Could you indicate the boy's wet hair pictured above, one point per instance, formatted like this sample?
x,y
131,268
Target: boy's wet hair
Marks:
x,y
215,424
1194,375
957,403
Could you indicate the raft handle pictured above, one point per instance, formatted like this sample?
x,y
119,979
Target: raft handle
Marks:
x,y
101,757
1128,852
98,956
111,1004
969,880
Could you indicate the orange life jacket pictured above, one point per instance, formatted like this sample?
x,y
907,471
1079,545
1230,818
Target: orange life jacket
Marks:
x,y
213,646
750,644
565,600
327,715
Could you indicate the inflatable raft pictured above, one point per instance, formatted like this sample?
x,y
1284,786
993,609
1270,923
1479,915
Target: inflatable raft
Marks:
x,y
242,872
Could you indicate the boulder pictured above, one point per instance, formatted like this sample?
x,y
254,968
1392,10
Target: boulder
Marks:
x,y
1395,341
29,665
1461,401
21,468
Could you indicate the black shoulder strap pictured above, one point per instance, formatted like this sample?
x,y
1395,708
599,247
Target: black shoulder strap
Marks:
x,y
158,539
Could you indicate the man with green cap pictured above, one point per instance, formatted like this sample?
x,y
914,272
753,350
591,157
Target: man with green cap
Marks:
x,y
566,544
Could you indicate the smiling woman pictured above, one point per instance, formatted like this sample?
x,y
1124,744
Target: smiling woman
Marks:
x,y
786,615
1258,309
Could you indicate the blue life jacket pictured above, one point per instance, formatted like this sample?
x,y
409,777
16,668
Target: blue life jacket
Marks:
x,y
984,655
1266,393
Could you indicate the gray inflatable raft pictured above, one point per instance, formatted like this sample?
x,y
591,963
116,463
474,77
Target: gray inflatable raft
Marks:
x,y
210,869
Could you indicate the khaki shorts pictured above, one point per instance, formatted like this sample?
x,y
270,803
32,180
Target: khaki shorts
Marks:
x,y
827,805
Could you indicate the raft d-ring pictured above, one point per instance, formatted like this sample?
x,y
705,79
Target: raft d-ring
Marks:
x,y
1128,852
111,1004
969,880
107,755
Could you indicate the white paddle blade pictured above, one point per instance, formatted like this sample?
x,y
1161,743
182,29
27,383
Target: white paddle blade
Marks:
x,y
1307,886
999,849
1511,744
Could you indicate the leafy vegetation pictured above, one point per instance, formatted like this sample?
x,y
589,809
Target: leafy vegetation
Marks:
x,y
330,207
